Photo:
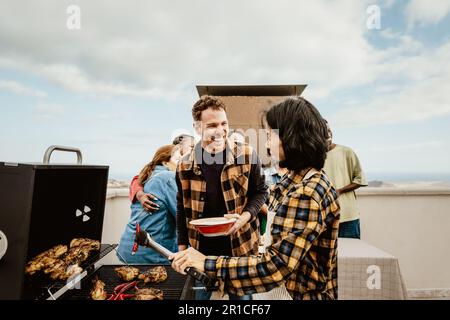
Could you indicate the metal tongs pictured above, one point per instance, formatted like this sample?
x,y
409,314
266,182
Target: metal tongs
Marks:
x,y
142,238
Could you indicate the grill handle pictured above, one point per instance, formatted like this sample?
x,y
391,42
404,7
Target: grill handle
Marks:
x,y
50,149
144,239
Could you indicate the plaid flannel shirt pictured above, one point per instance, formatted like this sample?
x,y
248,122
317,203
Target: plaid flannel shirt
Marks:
x,y
241,162
303,254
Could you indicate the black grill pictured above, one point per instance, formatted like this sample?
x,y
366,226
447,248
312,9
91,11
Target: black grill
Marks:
x,y
173,287
40,207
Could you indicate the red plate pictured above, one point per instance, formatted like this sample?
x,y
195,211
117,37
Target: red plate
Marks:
x,y
213,227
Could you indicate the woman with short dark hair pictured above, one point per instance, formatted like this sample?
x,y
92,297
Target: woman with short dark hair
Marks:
x,y
303,132
303,253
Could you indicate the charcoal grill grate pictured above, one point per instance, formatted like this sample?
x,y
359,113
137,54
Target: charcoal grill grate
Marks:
x,y
172,287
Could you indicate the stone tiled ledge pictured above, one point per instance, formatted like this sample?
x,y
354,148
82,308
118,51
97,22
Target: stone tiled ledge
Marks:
x,y
393,191
116,192
123,192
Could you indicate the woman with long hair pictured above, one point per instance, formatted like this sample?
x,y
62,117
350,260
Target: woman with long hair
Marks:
x,y
303,253
158,178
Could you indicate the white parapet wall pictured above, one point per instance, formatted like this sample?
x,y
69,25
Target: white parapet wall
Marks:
x,y
411,224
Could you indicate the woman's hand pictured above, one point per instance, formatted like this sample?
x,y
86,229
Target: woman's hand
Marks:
x,y
145,200
188,258
240,222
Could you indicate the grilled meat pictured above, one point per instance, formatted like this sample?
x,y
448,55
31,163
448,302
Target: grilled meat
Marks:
x,y
127,273
149,294
77,254
80,249
58,271
154,275
60,262
45,260
98,290
73,270
78,242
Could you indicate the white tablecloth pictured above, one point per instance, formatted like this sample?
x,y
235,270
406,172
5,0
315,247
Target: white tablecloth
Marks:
x,y
364,273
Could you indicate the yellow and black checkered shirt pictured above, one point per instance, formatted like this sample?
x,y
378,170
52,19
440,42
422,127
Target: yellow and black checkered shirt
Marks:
x,y
241,173
303,254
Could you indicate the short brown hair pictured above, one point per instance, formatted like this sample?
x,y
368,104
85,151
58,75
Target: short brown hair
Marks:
x,y
204,103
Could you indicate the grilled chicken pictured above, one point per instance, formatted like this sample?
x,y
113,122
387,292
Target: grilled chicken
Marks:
x,y
60,262
45,260
149,294
73,270
127,273
78,242
154,275
58,271
77,254
98,290
80,249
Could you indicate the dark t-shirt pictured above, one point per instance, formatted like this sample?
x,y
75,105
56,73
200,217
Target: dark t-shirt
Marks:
x,y
211,167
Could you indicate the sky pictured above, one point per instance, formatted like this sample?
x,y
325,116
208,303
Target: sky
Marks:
x,y
123,83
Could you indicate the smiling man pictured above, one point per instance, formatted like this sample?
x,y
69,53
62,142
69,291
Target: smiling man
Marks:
x,y
220,177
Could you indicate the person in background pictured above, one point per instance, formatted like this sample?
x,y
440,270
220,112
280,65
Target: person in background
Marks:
x,y
186,144
219,178
273,175
344,170
303,253
158,179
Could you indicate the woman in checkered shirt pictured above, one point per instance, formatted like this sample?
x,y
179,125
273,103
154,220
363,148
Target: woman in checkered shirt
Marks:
x,y
303,253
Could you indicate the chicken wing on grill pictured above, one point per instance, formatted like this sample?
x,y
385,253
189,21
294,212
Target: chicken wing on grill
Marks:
x,y
154,275
127,273
149,294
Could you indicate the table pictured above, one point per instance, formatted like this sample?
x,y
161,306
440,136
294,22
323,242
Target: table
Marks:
x,y
364,273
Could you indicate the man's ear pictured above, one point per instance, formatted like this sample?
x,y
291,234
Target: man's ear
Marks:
x,y
198,127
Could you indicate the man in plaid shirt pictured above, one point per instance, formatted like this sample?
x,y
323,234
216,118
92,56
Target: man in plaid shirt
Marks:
x,y
219,178
303,253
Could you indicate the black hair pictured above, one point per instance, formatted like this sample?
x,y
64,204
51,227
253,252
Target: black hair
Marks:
x,y
178,139
302,131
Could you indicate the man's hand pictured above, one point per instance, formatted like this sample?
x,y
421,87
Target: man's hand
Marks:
x,y
145,200
188,258
348,188
182,247
264,209
240,222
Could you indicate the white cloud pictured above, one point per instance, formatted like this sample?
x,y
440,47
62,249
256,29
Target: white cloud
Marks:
x,y
412,88
48,111
163,48
18,88
425,12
